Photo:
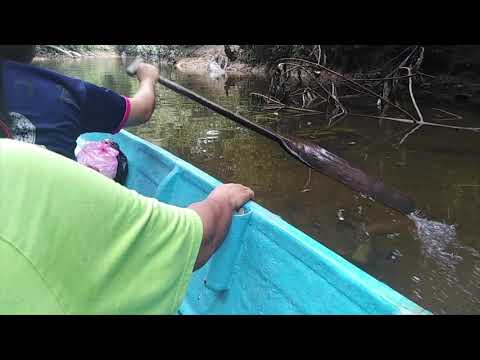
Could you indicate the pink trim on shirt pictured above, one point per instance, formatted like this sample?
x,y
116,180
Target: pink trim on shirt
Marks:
x,y
128,107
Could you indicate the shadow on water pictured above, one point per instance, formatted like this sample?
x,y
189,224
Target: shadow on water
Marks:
x,y
431,257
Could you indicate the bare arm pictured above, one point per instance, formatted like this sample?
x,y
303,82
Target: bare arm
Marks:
x,y
216,212
143,102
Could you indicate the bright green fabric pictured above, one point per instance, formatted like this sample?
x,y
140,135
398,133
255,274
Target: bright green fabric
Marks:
x,y
73,241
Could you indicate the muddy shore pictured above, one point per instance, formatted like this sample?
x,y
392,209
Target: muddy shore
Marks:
x,y
197,62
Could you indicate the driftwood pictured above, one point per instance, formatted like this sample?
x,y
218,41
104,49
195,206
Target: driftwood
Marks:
x,y
75,53
59,49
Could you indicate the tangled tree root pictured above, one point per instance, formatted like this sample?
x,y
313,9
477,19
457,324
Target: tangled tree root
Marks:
x,y
301,85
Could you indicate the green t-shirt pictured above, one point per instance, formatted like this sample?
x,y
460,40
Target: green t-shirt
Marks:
x,y
74,242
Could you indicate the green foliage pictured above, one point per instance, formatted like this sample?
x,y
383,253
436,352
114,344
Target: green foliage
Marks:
x,y
155,52
261,54
42,50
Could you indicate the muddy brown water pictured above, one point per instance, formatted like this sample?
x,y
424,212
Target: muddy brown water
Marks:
x,y
431,257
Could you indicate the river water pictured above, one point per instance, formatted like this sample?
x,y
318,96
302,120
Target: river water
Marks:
x,y
432,257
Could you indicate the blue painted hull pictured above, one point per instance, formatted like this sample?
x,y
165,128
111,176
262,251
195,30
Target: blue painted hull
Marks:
x,y
265,266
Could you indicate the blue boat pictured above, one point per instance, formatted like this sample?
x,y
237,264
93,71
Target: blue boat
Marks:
x,y
265,265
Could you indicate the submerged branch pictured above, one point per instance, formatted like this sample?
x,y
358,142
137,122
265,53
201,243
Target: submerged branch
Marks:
x,y
415,128
420,117
408,121
282,106
387,78
456,117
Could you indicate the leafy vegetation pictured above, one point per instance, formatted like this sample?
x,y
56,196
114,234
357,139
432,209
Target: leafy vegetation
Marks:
x,y
168,53
47,51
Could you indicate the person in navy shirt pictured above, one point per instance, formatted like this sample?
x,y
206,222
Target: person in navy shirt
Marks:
x,y
46,108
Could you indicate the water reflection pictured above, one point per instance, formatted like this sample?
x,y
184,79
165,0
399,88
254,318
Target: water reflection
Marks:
x,y
432,259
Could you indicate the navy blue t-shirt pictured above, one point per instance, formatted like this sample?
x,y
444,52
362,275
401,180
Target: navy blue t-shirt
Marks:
x,y
51,109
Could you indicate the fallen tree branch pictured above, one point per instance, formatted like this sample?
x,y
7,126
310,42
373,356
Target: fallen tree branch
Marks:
x,y
457,117
408,121
415,128
423,74
59,49
304,84
420,117
77,54
388,78
282,106
404,62
354,83
394,58
339,106
306,187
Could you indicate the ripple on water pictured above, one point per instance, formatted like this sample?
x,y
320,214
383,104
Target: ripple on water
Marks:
x,y
439,244
436,238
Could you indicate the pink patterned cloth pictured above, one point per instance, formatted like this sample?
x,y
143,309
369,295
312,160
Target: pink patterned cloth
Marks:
x,y
100,156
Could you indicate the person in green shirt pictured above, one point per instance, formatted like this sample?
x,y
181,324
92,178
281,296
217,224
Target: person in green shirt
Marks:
x,y
74,242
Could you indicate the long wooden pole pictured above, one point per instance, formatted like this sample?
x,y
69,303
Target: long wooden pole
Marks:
x,y
310,154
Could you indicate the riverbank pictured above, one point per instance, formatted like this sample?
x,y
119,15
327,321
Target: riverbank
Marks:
x,y
457,81
48,52
190,59
197,62
456,75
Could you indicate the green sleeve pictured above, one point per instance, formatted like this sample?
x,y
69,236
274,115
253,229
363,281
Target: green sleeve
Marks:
x,y
98,247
